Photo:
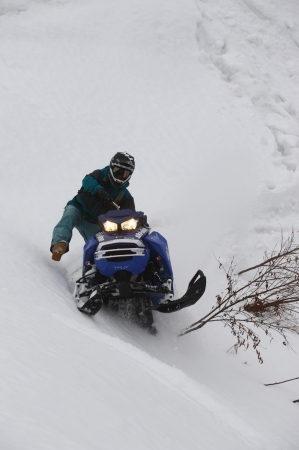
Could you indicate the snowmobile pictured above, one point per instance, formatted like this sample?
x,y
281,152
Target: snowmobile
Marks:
x,y
127,268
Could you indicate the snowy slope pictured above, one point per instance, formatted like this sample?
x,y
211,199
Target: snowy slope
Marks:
x,y
205,96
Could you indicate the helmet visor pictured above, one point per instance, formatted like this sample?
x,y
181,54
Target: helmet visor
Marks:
x,y
121,174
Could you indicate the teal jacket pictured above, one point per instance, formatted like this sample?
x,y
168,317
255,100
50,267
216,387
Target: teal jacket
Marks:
x,y
87,202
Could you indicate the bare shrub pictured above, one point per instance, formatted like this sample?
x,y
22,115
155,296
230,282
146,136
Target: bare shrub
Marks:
x,y
268,302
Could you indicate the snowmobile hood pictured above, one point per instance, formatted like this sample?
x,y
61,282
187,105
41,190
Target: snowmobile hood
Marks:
x,y
119,216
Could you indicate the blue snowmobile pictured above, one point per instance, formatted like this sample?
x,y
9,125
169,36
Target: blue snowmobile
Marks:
x,y
127,268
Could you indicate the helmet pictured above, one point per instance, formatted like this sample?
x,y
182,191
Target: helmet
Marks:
x,y
121,168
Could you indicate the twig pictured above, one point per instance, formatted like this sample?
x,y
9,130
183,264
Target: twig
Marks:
x,y
235,347
296,401
280,382
268,260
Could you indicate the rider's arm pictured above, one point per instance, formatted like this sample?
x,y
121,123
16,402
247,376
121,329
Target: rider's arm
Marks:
x,y
91,182
127,202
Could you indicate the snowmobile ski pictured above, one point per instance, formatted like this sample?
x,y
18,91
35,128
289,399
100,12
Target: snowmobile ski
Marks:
x,y
196,289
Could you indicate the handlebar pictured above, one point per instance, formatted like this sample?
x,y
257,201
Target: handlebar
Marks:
x,y
115,205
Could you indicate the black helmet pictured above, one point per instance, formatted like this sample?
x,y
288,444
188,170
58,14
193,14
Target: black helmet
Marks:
x,y
122,166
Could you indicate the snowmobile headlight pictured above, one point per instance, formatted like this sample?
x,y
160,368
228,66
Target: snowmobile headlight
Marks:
x,y
109,226
130,224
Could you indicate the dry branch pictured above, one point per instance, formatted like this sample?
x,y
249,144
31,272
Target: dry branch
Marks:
x,y
268,260
281,382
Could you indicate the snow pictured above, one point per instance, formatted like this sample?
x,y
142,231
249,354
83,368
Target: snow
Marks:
x,y
205,95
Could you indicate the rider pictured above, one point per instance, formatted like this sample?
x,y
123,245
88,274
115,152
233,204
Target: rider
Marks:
x,y
100,188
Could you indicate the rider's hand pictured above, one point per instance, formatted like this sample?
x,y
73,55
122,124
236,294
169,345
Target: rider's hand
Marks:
x,y
103,196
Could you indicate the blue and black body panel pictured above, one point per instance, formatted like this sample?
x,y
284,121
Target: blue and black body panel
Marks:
x,y
130,252
159,248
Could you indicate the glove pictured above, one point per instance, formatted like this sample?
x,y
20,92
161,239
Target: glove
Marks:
x,y
102,195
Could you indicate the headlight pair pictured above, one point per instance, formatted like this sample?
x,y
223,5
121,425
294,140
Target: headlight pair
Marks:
x,y
128,225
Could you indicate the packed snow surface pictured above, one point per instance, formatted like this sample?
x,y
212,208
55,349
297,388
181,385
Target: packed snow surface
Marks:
x,y
205,95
